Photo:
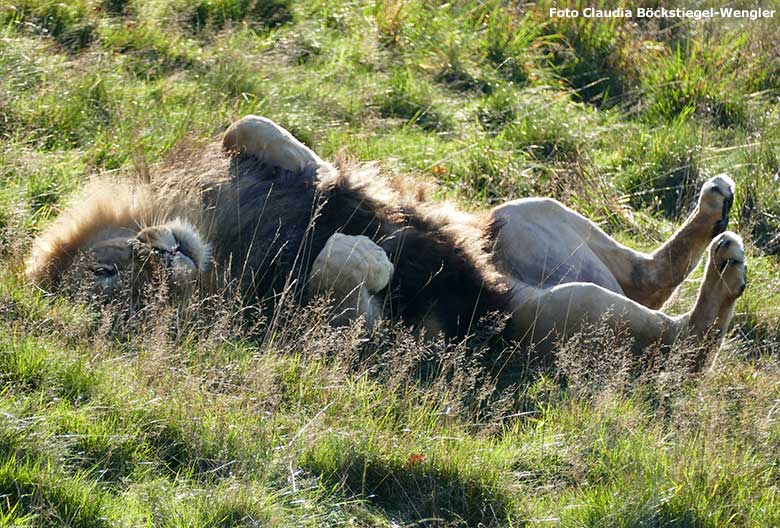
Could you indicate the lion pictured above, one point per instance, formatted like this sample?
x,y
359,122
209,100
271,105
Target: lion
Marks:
x,y
264,211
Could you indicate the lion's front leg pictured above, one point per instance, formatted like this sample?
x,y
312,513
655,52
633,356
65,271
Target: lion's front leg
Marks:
x,y
261,137
353,269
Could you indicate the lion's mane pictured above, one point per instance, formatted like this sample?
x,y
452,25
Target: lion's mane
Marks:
x,y
267,225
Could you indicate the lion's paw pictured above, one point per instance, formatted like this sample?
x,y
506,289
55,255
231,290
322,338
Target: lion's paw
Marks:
x,y
264,139
727,256
350,261
715,200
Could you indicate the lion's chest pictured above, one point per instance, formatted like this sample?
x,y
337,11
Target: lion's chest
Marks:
x,y
259,228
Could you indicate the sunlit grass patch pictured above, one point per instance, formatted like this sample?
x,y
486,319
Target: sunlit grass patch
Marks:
x,y
662,169
411,99
49,498
69,24
589,55
150,51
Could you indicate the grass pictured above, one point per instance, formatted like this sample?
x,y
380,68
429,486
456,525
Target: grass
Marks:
x,y
216,424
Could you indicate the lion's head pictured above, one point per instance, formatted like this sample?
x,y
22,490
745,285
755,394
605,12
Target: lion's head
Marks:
x,y
114,239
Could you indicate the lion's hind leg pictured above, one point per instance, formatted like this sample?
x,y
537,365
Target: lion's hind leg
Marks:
x,y
570,240
724,282
261,137
353,269
651,279
566,309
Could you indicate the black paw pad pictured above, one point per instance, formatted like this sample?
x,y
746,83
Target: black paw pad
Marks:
x,y
721,225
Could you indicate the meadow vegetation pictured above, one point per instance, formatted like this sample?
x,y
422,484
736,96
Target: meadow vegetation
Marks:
x,y
200,416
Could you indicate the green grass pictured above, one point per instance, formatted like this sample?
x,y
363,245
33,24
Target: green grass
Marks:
x,y
211,423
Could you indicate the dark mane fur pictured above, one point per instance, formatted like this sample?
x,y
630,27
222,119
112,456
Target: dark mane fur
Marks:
x,y
442,276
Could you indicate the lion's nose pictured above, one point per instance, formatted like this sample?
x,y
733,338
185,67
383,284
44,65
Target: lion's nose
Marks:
x,y
158,237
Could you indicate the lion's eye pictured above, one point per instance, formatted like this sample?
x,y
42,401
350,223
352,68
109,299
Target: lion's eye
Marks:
x,y
104,271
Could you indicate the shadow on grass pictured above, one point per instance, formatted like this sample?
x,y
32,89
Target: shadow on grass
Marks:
x,y
415,492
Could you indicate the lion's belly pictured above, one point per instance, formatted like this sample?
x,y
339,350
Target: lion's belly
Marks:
x,y
543,255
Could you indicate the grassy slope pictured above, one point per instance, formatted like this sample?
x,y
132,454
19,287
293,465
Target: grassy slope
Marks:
x,y
308,426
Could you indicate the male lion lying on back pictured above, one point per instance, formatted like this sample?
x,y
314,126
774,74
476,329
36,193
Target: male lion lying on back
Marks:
x,y
272,216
